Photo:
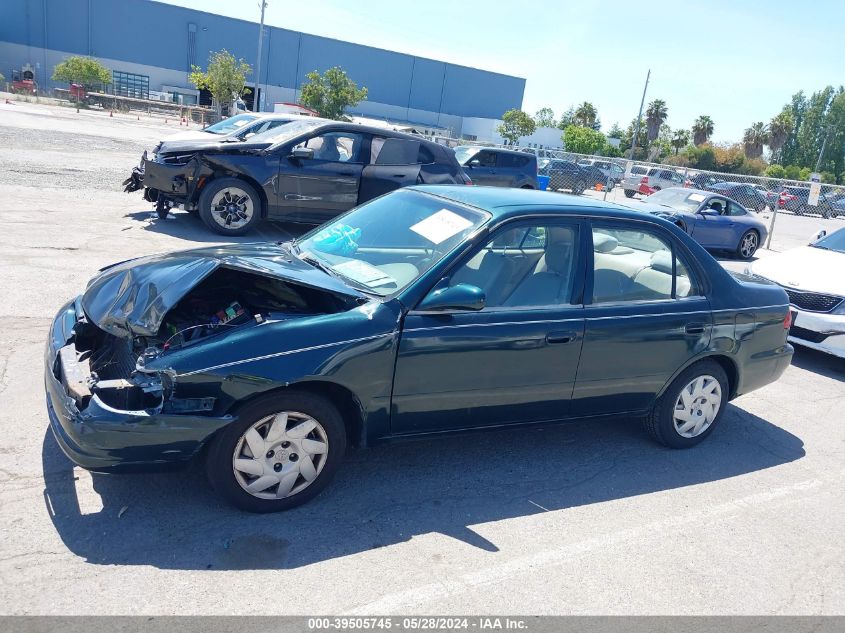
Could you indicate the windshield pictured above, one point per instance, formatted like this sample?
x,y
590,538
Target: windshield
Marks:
x,y
834,241
387,244
677,198
285,132
231,124
463,154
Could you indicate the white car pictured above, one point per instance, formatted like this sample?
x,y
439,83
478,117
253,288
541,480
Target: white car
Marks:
x,y
238,127
814,278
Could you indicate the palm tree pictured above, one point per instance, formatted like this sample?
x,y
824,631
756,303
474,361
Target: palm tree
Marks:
x,y
779,130
585,115
680,138
754,138
702,130
655,117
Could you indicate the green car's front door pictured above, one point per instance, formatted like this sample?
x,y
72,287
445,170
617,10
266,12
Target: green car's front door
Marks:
x,y
513,361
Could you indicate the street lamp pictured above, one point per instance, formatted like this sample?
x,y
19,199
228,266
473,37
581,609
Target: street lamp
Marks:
x,y
256,102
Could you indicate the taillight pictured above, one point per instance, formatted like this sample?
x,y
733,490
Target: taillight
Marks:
x,y
644,180
787,321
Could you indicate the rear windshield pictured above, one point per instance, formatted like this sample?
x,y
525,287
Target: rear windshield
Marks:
x,y
833,242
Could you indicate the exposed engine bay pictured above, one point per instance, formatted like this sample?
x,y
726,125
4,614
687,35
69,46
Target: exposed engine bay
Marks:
x,y
112,368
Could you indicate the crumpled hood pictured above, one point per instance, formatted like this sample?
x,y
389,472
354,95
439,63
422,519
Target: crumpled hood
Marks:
x,y
214,144
133,297
805,268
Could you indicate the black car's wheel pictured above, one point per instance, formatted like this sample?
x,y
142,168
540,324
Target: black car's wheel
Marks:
x,y
282,451
230,206
526,187
691,407
629,193
748,245
800,210
580,187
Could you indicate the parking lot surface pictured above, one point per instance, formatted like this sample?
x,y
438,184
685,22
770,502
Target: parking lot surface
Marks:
x,y
574,519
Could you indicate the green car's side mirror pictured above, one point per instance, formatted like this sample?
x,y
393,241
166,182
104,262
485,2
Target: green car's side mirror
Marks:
x,y
458,297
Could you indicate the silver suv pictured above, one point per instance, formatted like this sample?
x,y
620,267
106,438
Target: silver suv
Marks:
x,y
647,180
612,172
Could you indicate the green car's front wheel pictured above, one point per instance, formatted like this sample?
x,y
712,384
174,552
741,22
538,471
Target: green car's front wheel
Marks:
x,y
282,451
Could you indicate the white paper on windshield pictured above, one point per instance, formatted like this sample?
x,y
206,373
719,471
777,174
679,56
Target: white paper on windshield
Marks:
x,y
440,226
695,197
240,123
363,272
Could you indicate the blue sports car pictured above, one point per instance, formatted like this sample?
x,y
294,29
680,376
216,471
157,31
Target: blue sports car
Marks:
x,y
712,219
429,310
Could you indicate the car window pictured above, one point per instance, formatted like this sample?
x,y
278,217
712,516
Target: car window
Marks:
x,y
343,147
531,265
735,210
636,265
638,170
486,159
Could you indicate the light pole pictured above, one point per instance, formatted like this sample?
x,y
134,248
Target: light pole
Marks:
x,y
256,104
824,145
640,116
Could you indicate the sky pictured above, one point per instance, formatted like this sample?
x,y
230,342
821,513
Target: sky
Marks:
x,y
738,61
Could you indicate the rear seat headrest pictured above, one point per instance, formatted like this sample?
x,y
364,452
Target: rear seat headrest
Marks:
x,y
557,258
662,261
604,243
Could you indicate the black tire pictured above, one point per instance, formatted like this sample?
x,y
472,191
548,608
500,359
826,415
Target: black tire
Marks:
x,y
220,184
162,211
660,423
526,187
741,250
629,193
656,188
580,188
800,210
221,452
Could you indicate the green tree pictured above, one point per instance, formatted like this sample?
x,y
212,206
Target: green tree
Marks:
x,y
680,139
810,134
798,108
586,115
702,130
2,78
583,140
834,157
616,132
85,71
516,124
567,118
780,129
656,115
545,117
225,78
331,93
754,138
702,157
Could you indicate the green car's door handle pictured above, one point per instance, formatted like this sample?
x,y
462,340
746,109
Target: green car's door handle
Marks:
x,y
695,328
560,338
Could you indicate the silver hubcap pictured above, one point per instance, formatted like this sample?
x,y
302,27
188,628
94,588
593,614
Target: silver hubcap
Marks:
x,y
749,244
232,208
280,455
697,406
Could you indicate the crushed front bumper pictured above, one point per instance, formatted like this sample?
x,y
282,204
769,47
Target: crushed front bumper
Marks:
x,y
101,438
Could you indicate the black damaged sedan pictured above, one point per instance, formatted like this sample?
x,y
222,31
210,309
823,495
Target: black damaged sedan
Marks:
x,y
429,310
305,171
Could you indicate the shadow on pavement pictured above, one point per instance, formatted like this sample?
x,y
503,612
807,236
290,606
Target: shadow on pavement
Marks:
x,y
388,494
187,226
818,362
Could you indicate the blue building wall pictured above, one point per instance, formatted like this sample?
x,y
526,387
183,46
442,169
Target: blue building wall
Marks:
x,y
154,34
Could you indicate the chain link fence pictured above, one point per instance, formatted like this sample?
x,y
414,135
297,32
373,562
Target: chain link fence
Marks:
x,y
572,172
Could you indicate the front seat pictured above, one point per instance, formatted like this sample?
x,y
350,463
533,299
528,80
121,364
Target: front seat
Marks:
x,y
547,287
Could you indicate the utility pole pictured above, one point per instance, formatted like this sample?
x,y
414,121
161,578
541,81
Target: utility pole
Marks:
x,y
640,116
821,152
256,102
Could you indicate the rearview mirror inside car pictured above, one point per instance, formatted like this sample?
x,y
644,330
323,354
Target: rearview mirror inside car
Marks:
x,y
457,297
302,153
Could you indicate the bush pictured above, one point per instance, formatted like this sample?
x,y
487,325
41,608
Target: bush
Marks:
x,y
775,171
793,172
